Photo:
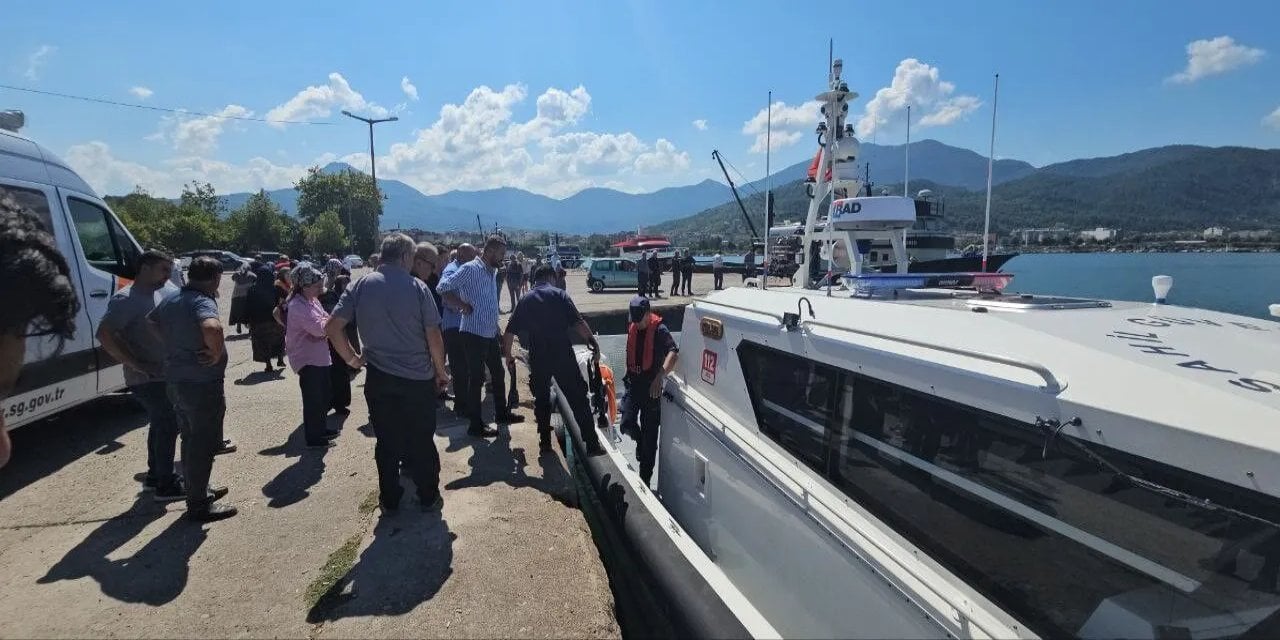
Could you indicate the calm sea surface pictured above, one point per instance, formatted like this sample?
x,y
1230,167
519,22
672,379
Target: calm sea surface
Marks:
x,y
1242,283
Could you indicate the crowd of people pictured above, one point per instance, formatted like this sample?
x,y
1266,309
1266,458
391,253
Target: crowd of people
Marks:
x,y
425,321
649,270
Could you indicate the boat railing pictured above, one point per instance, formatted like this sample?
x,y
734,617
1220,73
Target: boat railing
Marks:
x,y
1051,386
1051,383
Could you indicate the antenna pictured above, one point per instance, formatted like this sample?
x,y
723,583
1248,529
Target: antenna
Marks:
x,y
768,189
831,50
906,170
986,224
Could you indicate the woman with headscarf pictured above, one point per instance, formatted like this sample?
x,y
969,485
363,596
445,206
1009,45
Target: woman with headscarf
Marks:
x,y
265,334
244,278
308,350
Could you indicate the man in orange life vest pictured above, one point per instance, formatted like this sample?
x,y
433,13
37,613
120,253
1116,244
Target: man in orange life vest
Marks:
x,y
651,356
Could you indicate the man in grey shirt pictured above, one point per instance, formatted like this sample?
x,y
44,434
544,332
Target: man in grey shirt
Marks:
x,y
399,326
195,363
128,337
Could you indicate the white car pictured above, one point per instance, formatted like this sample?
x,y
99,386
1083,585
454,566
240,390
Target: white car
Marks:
x,y
353,261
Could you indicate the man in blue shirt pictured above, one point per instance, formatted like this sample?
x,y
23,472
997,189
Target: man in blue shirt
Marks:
x,y
195,363
399,329
543,319
471,290
452,341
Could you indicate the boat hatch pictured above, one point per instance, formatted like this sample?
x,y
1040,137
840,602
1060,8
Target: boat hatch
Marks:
x,y
1028,302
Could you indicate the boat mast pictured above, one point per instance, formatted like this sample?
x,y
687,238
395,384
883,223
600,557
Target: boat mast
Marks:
x,y
768,188
906,164
991,156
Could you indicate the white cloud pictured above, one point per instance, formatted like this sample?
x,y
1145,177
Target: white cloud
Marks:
x,y
111,175
700,124
1273,119
478,144
1212,57
37,59
199,135
408,88
142,93
319,101
790,123
920,86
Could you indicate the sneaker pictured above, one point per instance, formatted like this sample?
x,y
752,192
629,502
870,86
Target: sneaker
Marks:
x,y
212,513
341,411
435,505
148,483
327,444
217,493
227,447
508,418
482,431
172,492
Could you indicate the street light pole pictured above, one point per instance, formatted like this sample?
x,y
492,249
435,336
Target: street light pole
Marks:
x,y
373,164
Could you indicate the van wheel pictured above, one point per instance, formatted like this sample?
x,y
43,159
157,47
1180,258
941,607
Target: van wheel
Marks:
x,y
596,286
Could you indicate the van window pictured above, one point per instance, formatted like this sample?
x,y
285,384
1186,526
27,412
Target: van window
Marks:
x,y
106,245
603,265
32,200
626,265
1070,538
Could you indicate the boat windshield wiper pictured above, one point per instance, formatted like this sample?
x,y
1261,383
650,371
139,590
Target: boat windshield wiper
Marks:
x,y
1052,428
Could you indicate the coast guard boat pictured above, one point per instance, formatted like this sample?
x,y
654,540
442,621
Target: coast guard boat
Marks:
x,y
918,455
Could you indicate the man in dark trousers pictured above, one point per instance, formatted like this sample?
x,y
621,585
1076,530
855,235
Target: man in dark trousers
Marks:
x,y
471,291
652,355
402,346
543,319
642,274
655,275
194,367
452,338
126,334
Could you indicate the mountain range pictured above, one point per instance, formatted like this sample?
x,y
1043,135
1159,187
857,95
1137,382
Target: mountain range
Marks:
x,y
608,210
1179,186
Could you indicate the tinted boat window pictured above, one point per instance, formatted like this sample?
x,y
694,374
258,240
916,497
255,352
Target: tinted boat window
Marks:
x,y
1073,540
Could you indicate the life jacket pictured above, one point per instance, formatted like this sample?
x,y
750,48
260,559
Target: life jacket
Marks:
x,y
611,393
641,362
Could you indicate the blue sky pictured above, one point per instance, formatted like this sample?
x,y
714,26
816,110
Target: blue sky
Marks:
x,y
557,96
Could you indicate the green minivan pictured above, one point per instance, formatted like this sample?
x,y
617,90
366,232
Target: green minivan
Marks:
x,y
611,273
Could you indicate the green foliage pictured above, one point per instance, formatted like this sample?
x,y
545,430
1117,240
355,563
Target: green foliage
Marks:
x,y
259,225
192,223
326,234
203,198
350,195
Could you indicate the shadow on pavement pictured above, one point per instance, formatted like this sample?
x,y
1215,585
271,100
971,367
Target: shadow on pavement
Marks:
x,y
155,575
494,460
292,485
42,448
406,563
259,377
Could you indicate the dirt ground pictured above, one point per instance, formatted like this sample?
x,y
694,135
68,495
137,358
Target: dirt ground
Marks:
x,y
83,552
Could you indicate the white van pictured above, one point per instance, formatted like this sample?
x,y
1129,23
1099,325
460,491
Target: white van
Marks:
x,y
57,375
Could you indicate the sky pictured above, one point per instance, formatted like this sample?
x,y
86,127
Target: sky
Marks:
x,y
554,97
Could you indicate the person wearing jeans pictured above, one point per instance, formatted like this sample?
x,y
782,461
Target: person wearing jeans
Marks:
x,y
404,350
469,291
308,351
195,365
126,336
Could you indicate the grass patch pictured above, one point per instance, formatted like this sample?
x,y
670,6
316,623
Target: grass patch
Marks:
x,y
370,503
337,566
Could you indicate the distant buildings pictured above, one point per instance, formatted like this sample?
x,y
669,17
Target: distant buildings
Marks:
x,y
1054,235
1100,234
1214,233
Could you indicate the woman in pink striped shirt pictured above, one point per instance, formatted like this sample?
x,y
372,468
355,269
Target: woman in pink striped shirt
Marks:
x,y
308,351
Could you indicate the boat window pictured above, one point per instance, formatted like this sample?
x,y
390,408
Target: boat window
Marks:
x,y
32,200
1072,539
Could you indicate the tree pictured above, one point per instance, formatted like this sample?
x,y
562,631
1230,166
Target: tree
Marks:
x,y
259,225
202,197
326,235
350,195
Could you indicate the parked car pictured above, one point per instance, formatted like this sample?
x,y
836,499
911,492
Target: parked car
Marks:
x,y
268,257
230,261
353,261
611,273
